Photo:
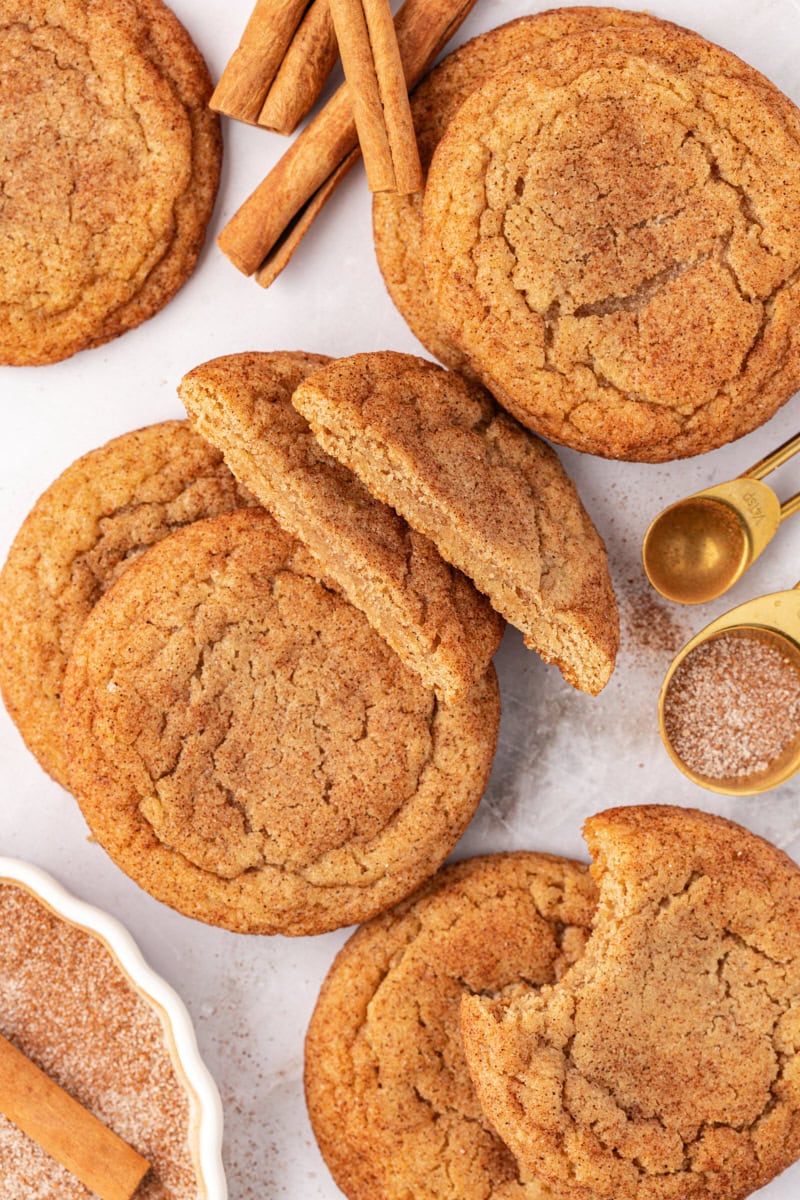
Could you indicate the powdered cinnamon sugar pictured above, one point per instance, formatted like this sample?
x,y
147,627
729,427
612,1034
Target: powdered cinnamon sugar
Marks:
x,y
733,707
66,1003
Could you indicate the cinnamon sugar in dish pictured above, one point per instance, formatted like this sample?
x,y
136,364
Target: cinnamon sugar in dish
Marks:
x,y
732,708
66,1003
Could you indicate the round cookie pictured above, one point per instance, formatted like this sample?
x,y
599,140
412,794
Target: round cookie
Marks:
x,y
495,500
397,220
81,534
429,613
110,171
620,257
388,1092
250,751
664,1065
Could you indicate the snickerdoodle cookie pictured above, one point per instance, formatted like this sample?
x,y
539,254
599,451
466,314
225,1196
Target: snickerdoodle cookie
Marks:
x,y
664,1065
429,613
109,170
388,1091
612,237
249,750
494,499
397,220
81,534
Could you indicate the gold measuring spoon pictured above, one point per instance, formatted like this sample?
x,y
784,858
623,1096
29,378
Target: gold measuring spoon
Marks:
x,y
697,548
774,620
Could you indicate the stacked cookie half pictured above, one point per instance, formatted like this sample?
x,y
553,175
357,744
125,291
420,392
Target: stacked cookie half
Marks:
x,y
281,719
523,1030
609,236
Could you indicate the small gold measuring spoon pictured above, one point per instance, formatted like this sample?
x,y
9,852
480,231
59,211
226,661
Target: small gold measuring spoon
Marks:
x,y
698,547
774,619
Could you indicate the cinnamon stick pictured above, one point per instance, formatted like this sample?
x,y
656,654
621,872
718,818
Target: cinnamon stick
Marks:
x,y
252,67
423,29
283,250
306,65
361,73
36,1104
394,97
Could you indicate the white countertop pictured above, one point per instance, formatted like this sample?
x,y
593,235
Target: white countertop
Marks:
x,y
562,755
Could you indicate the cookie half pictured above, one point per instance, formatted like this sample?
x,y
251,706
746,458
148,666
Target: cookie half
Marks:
x,y
389,1096
612,237
249,750
82,533
495,500
429,613
397,220
109,174
664,1065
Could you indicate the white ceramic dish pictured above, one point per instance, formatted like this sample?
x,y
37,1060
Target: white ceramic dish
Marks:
x,y
205,1104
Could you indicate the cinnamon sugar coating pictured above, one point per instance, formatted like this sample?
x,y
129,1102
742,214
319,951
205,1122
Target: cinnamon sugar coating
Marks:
x,y
429,613
612,237
494,499
250,751
109,170
397,220
388,1092
82,533
664,1065
67,1004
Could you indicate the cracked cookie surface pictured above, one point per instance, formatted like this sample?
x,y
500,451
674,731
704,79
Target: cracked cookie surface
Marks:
x,y
428,612
397,220
494,499
664,1065
250,751
388,1092
612,237
108,170
92,522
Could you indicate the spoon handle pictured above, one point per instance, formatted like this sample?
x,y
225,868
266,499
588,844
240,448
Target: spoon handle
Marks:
x,y
774,460
789,507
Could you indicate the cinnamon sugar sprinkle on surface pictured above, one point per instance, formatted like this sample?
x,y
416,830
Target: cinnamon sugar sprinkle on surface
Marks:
x,y
651,629
733,707
66,1003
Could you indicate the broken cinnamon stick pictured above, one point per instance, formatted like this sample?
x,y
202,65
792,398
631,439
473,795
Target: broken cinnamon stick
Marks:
x,y
423,29
283,250
246,79
36,1104
306,65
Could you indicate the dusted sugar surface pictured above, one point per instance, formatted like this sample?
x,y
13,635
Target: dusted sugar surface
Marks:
x,y
664,1065
429,613
108,170
494,499
397,220
96,519
68,1006
249,750
612,236
388,1091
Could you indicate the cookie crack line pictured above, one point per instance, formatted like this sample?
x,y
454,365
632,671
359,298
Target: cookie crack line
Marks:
x,y
636,300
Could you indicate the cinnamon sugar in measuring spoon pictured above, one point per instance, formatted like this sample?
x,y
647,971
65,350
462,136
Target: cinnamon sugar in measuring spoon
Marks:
x,y
732,708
